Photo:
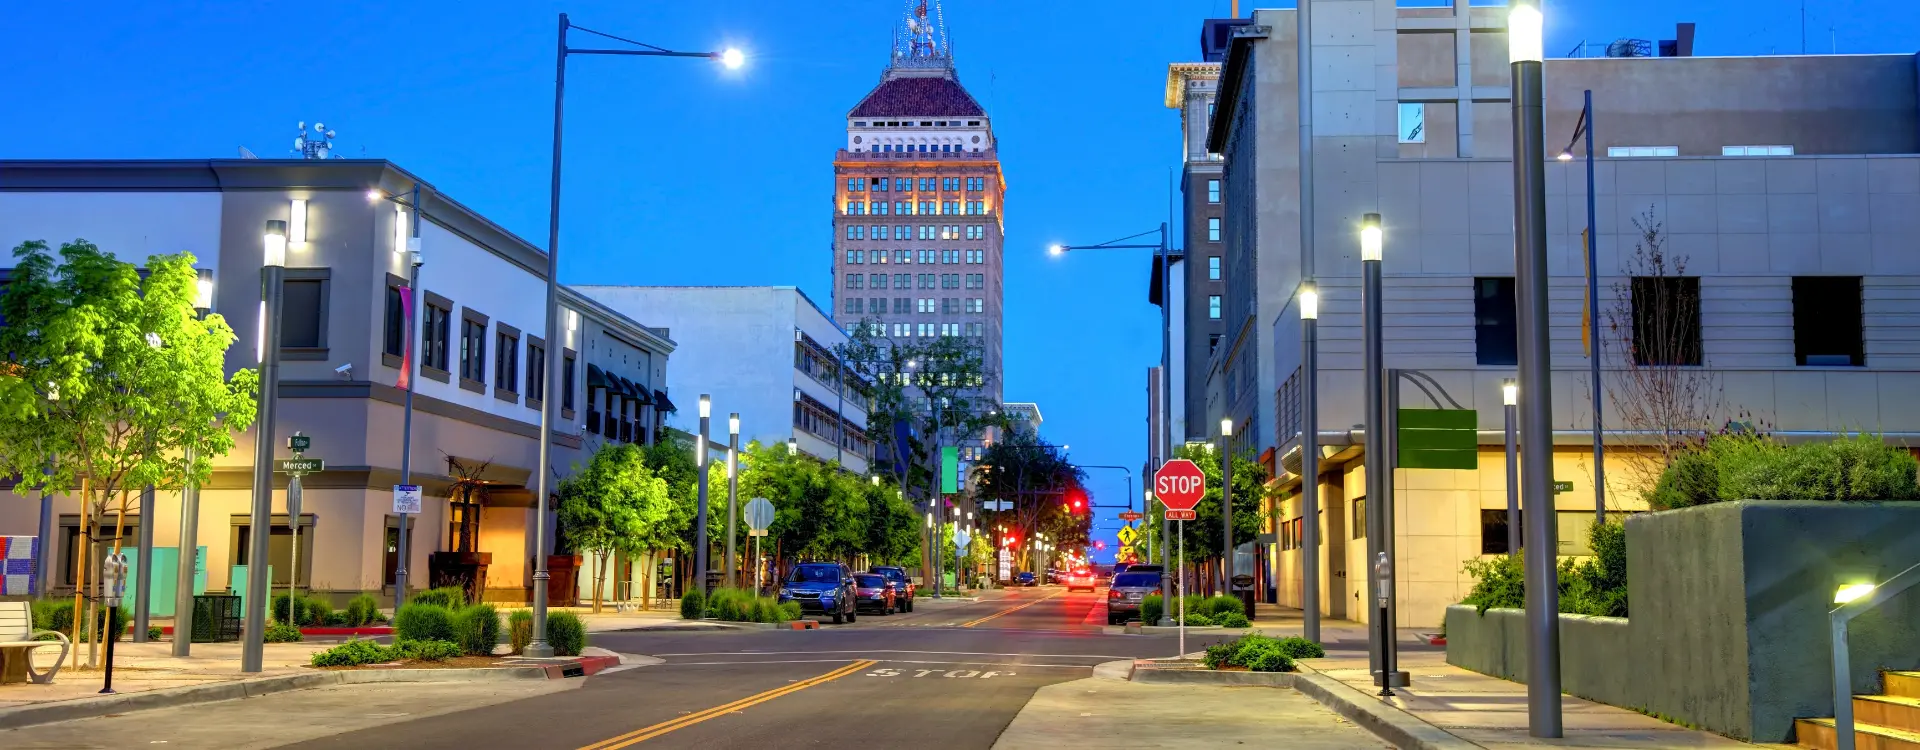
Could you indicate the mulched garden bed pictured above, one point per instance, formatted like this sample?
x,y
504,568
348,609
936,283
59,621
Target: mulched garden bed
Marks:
x,y
458,662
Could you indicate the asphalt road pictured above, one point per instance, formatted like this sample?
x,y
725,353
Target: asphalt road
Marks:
x,y
948,676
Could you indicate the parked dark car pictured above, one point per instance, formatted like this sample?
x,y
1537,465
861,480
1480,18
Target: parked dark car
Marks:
x,y
1026,578
1126,593
1119,568
821,588
871,593
903,588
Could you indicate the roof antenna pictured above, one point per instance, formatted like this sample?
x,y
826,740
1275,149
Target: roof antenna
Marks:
x,y
246,154
318,146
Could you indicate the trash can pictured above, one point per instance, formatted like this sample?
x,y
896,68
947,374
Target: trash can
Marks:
x,y
216,618
1243,590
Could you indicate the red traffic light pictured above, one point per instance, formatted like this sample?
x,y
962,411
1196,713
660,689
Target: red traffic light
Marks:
x,y
1076,500
1100,545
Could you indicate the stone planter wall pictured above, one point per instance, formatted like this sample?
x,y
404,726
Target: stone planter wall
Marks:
x,y
1729,627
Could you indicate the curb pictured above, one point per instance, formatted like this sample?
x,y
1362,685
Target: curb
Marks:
x,y
1402,729
188,695
1212,677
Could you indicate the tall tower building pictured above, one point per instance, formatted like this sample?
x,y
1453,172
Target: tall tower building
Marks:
x,y
917,201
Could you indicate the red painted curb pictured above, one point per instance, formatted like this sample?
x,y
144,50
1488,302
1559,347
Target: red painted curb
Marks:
x,y
803,625
583,667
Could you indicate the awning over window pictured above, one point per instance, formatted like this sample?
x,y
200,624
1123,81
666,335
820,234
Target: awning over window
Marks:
x,y
640,395
661,402
595,378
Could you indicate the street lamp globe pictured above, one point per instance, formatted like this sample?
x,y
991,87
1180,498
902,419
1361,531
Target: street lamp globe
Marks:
x,y
1565,156
1509,392
1524,29
1056,249
1370,237
733,58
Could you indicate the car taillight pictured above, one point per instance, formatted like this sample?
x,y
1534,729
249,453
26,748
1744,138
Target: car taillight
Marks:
x,y
1113,593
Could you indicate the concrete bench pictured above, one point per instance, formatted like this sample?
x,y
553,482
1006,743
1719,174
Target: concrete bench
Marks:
x,y
17,645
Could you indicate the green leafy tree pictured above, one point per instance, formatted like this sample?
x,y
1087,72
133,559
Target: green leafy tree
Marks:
x,y
1249,488
893,528
1037,478
611,506
110,377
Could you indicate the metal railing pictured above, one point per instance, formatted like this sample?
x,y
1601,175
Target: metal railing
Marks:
x,y
1842,669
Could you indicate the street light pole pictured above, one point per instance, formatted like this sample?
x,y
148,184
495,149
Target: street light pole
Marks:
x,y
1524,24
1309,456
701,457
1510,397
1226,505
733,487
260,525
189,512
1373,377
550,407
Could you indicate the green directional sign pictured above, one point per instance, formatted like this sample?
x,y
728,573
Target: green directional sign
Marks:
x,y
1559,487
299,443
299,465
1437,439
949,469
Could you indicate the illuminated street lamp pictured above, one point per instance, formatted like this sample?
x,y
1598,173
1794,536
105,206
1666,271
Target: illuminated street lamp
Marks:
x,y
267,350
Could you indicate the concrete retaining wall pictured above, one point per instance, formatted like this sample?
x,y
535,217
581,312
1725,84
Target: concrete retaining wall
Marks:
x,y
1729,624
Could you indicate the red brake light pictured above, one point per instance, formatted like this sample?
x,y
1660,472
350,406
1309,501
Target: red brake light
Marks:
x,y
1113,593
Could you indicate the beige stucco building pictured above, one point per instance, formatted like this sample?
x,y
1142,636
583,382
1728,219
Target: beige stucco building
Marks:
x,y
475,351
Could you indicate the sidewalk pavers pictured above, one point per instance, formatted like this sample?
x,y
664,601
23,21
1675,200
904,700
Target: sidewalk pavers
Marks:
x,y
1484,710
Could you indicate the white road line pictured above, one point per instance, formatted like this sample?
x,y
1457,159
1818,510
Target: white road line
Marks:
x,y
894,651
885,661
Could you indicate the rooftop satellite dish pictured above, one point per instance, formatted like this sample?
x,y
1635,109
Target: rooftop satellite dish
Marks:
x,y
246,154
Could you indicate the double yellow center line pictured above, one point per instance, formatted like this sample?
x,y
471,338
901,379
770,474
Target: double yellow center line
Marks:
x,y
1010,610
642,735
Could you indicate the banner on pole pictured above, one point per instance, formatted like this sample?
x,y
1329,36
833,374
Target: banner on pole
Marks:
x,y
949,469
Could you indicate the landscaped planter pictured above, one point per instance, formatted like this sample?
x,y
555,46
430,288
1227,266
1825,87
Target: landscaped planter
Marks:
x,y
1729,629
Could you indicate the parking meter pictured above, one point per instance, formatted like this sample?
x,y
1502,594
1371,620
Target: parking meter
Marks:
x,y
1382,578
113,579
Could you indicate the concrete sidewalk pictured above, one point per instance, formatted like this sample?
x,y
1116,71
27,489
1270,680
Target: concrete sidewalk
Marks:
x,y
140,667
1484,710
1108,711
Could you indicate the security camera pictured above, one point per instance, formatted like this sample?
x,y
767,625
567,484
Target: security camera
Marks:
x,y
344,371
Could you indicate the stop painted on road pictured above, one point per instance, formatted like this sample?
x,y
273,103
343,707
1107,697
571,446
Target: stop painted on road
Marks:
x,y
955,673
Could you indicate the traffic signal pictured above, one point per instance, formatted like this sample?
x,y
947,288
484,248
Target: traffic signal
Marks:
x,y
1099,544
1076,500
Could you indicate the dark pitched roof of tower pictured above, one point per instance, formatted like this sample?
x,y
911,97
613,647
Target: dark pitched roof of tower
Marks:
x,y
915,96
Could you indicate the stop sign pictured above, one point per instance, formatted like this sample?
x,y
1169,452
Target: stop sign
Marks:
x,y
1179,484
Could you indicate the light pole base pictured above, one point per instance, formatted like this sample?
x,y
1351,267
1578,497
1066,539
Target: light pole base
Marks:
x,y
1400,679
1166,622
538,650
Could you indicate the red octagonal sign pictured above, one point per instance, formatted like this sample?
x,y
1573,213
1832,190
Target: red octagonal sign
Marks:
x,y
1179,484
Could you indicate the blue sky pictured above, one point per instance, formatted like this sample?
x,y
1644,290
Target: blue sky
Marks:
x,y
680,173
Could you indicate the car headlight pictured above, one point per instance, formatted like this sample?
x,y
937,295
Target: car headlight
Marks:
x,y
788,593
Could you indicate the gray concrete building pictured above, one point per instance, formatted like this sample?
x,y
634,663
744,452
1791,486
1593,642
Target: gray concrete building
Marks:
x,y
1201,276
1785,191
476,352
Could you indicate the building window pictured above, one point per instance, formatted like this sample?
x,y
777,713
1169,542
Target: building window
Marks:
x,y
1493,531
949,281
976,232
1666,321
854,304
435,336
1213,343
902,184
880,184
903,304
976,208
926,232
879,208
902,330
1213,229
536,370
976,257
1360,518
856,184
473,351
878,281
1827,322
394,327
1754,151
856,208
506,361
925,330
854,281
1413,122
902,281
303,317
1618,152
1496,331
1213,307
902,232
877,306
879,232
566,384
1213,191
923,305
976,305
1213,268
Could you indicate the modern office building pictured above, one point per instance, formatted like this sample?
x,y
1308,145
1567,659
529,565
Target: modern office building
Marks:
x,y
477,347
1785,191
918,197
764,352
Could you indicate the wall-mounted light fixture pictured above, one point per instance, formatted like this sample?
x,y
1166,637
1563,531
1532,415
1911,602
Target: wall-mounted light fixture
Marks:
x,y
297,223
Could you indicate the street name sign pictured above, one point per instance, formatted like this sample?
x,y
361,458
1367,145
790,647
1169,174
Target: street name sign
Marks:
x,y
299,465
1179,484
299,443
406,498
1130,516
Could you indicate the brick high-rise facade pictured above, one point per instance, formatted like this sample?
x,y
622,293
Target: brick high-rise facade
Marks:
x,y
917,203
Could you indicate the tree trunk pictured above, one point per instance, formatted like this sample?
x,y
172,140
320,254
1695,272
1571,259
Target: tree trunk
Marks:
x,y
80,563
600,578
646,590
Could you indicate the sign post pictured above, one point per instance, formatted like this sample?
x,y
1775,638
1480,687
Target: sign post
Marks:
x,y
294,468
1179,484
759,512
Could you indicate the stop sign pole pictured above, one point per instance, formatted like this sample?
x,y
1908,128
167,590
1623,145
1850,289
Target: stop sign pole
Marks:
x,y
1179,484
